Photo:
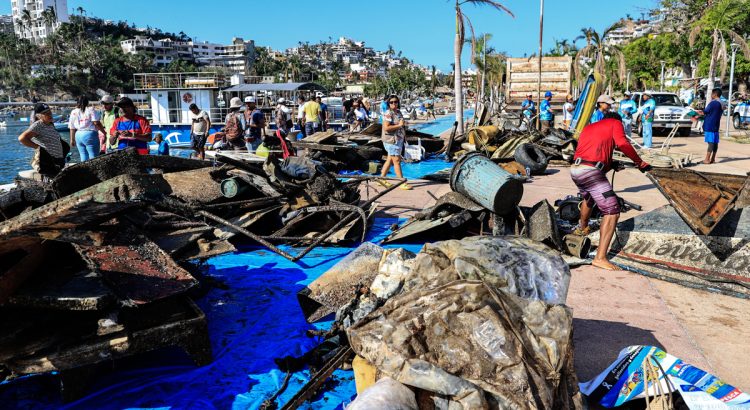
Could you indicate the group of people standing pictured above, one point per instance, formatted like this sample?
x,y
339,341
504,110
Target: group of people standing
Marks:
x,y
92,132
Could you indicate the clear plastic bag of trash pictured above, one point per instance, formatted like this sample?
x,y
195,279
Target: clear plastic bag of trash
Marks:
x,y
473,347
386,393
516,265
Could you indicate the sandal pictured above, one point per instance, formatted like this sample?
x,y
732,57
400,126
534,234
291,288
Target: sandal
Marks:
x,y
405,187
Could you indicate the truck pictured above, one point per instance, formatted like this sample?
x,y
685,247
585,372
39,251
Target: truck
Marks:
x,y
522,79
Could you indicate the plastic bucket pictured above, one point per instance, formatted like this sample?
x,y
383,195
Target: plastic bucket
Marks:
x,y
486,183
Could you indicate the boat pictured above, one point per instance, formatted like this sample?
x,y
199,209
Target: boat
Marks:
x,y
171,94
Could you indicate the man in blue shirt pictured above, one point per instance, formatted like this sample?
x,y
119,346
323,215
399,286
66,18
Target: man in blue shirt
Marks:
x,y
528,107
713,112
648,107
626,110
255,124
603,105
323,112
545,111
163,144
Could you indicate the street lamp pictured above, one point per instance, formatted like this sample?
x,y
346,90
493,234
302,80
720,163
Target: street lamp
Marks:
x,y
734,47
661,86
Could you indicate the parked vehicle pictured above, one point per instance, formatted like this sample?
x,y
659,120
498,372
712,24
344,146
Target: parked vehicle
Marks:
x,y
741,115
670,113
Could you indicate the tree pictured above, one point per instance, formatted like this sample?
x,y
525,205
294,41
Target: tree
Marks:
x,y
599,52
717,24
462,20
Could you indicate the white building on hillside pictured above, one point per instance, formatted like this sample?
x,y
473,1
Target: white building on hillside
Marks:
x,y
31,19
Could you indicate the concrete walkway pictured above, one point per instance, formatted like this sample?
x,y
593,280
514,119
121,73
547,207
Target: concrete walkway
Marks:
x,y
613,310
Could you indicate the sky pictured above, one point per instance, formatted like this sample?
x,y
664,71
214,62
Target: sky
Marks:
x,y
422,29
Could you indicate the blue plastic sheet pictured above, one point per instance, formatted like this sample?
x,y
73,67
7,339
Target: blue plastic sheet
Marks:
x,y
254,319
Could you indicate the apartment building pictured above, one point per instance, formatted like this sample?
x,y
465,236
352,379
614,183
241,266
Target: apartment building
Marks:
x,y
32,21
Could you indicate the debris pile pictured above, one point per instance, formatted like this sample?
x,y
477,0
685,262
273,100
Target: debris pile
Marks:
x,y
91,270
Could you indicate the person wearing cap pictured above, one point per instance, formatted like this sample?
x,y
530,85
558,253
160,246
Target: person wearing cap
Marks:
x,y
130,129
603,104
255,124
234,127
626,110
545,111
528,107
42,136
84,125
568,109
323,112
281,116
592,161
311,117
648,107
199,129
108,115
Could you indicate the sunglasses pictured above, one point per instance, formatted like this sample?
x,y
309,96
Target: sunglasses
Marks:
x,y
393,102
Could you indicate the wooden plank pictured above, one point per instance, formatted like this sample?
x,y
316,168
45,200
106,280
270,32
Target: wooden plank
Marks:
x,y
546,76
13,278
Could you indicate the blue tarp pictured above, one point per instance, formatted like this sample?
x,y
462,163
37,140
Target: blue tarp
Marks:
x,y
252,320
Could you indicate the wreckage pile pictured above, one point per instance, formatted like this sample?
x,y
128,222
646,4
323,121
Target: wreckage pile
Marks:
x,y
91,259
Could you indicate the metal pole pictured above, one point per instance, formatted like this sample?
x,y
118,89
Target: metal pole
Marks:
x,y
661,86
539,82
729,97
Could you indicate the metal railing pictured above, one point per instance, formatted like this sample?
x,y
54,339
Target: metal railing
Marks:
x,y
219,115
152,81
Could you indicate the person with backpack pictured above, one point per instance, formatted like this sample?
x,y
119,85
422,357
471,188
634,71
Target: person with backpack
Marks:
x,y
255,124
234,131
108,115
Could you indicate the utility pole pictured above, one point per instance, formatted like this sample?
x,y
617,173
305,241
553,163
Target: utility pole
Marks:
x,y
661,86
734,46
539,82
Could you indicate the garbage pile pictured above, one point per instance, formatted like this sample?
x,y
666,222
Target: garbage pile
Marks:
x,y
91,267
501,139
472,323
363,151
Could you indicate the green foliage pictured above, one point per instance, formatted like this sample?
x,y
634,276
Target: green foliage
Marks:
x,y
400,81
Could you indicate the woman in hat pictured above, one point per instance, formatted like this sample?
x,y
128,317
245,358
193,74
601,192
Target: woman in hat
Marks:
x,y
44,138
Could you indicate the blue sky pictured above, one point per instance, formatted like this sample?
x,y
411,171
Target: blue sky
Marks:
x,y
422,29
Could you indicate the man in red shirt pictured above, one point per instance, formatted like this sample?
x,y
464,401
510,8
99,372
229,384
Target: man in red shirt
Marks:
x,y
593,159
130,129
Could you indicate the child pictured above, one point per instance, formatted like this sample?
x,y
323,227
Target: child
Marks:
x,y
163,145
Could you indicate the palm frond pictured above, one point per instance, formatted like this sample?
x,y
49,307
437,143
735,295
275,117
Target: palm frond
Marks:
x,y
473,36
490,3
723,58
694,34
739,40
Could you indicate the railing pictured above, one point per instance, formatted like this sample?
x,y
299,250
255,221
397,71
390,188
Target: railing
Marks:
x,y
151,81
219,115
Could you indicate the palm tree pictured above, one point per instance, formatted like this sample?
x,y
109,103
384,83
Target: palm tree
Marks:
x,y
599,52
462,21
27,23
719,47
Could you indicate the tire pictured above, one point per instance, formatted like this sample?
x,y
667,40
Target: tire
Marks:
x,y
736,122
531,157
640,129
685,132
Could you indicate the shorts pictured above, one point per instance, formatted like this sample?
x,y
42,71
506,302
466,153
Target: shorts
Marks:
x,y
711,137
595,188
198,141
394,150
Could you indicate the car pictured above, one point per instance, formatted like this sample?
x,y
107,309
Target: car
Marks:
x,y
670,113
741,115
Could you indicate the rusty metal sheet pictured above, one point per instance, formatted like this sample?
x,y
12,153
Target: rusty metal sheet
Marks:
x,y
660,244
447,227
339,285
91,205
194,186
136,269
702,199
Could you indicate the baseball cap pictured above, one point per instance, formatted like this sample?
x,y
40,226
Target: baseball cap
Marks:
x,y
281,100
125,102
107,99
249,99
604,98
548,94
627,93
40,108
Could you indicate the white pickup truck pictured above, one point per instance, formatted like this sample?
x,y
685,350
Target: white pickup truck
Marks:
x,y
741,115
670,113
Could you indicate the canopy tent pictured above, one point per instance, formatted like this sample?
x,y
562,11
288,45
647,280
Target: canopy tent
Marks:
x,y
267,94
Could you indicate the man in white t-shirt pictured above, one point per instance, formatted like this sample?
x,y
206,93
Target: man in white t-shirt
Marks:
x,y
301,115
568,109
201,124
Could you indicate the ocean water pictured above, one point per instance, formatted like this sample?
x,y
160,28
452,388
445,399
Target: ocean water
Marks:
x,y
15,157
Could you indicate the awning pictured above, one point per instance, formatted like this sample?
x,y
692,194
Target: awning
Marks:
x,y
248,88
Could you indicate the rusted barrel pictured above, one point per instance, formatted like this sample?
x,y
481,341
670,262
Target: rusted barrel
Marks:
x,y
482,135
231,187
486,183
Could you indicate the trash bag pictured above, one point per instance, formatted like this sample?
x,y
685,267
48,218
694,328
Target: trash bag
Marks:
x,y
516,265
474,346
531,157
385,394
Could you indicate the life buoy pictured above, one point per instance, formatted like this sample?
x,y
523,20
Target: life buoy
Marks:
x,y
187,98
